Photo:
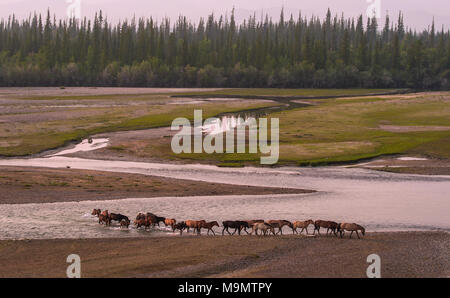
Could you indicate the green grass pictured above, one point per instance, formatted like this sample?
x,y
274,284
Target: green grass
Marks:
x,y
346,130
333,131
31,138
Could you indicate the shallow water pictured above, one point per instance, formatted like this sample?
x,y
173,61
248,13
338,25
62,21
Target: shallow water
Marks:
x,y
408,158
379,200
85,146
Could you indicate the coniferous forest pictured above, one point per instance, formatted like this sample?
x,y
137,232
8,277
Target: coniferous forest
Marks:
x,y
291,52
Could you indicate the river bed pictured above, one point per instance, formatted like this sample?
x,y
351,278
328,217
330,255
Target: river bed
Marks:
x,y
380,201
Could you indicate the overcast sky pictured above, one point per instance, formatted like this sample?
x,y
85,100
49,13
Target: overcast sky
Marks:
x,y
418,13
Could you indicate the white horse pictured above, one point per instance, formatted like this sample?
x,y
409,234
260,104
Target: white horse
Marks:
x,y
264,227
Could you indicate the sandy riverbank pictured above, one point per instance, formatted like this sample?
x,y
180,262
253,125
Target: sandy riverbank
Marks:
x,y
21,185
403,254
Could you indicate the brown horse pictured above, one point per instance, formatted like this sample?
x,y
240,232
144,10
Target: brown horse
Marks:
x,y
209,226
196,225
179,226
329,225
280,224
170,222
96,212
142,222
352,227
104,218
303,225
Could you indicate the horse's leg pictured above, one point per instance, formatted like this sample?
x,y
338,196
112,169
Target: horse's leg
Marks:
x,y
357,234
351,234
214,233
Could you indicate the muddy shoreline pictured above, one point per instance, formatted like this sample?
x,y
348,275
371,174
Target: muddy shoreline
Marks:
x,y
403,254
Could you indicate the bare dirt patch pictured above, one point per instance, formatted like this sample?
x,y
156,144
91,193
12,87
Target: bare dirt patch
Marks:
x,y
403,254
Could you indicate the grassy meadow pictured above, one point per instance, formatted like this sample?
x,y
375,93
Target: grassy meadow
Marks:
x,y
330,131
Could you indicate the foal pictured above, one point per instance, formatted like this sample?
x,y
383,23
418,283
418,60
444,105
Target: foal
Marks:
x,y
209,226
264,227
179,226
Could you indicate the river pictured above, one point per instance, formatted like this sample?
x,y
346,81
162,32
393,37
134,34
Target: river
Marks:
x,y
380,201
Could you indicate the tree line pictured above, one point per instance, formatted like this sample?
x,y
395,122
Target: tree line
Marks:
x,y
293,52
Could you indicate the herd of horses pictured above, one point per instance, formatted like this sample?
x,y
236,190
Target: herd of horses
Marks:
x,y
237,226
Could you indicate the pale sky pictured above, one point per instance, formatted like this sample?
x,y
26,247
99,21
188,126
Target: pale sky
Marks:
x,y
418,13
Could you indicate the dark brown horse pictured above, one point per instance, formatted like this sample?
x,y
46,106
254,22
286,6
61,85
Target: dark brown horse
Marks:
x,y
329,225
140,216
117,217
155,218
237,225
96,212
179,226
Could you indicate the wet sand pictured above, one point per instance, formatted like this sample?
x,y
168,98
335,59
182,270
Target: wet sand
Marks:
x,y
21,185
403,254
